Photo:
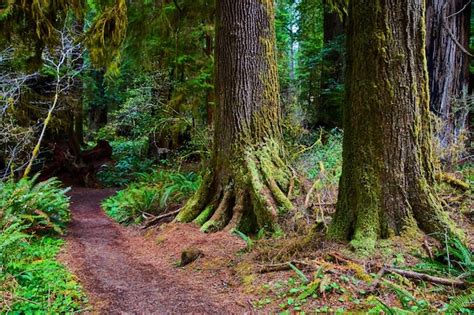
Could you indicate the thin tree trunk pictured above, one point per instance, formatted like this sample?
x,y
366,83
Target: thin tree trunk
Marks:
x,y
387,177
329,111
245,187
448,25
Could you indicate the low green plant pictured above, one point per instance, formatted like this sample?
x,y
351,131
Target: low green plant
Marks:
x,y
32,281
11,241
150,195
462,303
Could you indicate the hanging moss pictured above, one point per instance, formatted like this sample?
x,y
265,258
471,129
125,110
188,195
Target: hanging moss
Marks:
x,y
105,37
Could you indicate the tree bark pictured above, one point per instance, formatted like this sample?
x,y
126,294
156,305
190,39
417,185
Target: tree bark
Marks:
x,y
98,112
387,177
245,188
448,31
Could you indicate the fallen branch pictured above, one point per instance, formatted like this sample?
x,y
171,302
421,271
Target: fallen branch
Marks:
x,y
453,37
421,276
452,181
158,218
282,266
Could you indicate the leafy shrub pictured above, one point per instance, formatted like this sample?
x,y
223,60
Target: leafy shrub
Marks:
x,y
40,206
150,195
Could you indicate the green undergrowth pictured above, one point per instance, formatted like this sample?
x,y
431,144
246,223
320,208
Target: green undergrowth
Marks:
x,y
152,194
130,160
32,281
323,158
344,285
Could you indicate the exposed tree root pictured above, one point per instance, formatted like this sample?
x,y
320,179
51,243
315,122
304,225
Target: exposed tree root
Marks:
x,y
248,197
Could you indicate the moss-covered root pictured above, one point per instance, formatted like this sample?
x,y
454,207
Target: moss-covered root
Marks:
x,y
250,198
364,225
193,208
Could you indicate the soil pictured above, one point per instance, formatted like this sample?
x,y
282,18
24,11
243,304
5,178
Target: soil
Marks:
x,y
125,270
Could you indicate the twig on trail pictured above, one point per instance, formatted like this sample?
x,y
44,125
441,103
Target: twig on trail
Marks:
x,y
421,276
160,217
338,258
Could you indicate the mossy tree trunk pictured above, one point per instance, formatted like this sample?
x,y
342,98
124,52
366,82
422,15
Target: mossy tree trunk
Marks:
x,y
387,177
248,181
448,31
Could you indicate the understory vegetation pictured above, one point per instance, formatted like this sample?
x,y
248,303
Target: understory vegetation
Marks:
x,y
32,216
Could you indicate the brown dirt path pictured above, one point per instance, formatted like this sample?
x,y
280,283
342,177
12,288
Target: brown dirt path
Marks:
x,y
124,272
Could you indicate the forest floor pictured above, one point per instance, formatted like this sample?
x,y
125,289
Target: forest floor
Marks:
x,y
136,271
124,270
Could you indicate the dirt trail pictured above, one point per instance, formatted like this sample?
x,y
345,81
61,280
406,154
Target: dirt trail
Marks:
x,y
124,272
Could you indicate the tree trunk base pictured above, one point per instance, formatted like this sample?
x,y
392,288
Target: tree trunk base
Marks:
x,y
248,198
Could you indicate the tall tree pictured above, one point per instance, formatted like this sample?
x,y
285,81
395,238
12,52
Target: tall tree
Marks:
x,y
329,107
387,177
310,45
448,25
246,187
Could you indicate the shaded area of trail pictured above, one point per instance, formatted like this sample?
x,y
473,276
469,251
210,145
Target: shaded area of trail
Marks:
x,y
117,276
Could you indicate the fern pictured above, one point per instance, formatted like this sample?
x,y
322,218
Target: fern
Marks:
x,y
300,274
245,238
10,239
455,259
459,303
41,206
151,194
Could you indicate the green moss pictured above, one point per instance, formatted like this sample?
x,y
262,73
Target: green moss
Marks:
x,y
196,203
204,215
211,226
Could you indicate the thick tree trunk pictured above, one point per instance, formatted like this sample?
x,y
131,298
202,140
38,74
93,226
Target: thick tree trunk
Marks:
x,y
448,25
387,177
246,184
329,111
